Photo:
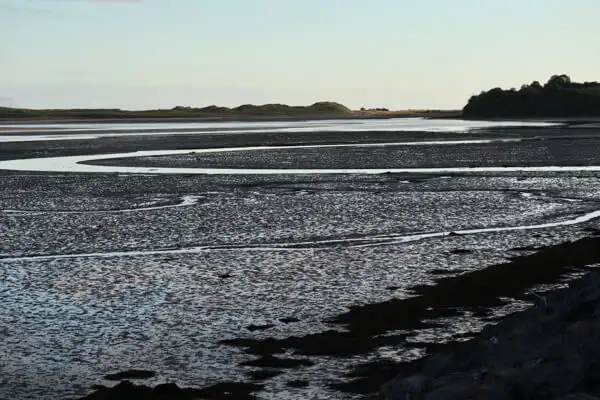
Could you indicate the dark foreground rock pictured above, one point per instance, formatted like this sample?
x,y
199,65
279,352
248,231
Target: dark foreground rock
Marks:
x,y
264,374
264,327
371,326
550,351
170,391
131,374
298,384
269,361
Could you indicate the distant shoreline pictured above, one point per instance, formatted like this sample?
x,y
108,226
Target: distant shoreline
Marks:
x,y
559,100
452,114
141,117
149,120
246,112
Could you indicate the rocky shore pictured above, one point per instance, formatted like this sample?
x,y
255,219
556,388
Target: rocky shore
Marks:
x,y
550,351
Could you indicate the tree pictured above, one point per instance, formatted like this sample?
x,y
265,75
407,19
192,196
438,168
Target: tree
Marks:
x,y
559,80
558,98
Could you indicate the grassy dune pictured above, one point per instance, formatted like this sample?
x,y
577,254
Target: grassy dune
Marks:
x,y
318,110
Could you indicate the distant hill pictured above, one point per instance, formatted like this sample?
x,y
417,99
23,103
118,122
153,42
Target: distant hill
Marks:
x,y
243,111
558,98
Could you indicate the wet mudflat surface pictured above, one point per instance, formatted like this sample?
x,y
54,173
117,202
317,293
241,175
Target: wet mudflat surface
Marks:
x,y
103,143
308,286
447,153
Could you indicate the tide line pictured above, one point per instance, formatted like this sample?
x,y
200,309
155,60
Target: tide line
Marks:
x,y
184,202
371,241
76,163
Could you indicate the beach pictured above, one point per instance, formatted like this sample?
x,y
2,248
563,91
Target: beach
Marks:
x,y
289,283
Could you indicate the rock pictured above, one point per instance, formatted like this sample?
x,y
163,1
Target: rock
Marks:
x,y
410,388
461,251
590,384
440,271
268,361
460,390
525,248
130,374
496,392
263,374
264,327
126,390
298,384
229,390
288,320
168,390
551,376
549,351
592,230
436,365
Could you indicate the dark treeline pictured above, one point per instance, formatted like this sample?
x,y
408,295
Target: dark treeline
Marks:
x,y
559,97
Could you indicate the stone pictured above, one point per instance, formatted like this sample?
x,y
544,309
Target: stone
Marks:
x,y
288,320
458,391
437,365
549,351
264,327
130,374
268,361
409,388
263,374
298,384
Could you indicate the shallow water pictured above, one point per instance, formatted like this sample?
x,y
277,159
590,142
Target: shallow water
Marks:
x,y
86,164
84,131
419,124
105,272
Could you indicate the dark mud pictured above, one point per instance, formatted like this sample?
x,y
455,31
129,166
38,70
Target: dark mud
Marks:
x,y
549,351
290,210
530,152
298,384
170,391
155,141
130,374
264,374
269,361
368,327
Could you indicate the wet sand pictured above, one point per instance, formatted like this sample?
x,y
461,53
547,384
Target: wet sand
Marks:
x,y
368,327
348,335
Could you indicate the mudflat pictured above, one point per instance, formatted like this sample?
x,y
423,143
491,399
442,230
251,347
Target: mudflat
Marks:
x,y
302,285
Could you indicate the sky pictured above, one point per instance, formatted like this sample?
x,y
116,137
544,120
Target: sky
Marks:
x,y
399,54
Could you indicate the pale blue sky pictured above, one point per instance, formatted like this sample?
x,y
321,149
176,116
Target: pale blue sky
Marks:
x,y
374,53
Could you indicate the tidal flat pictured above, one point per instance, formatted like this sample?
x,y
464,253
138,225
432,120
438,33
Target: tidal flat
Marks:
x,y
293,285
